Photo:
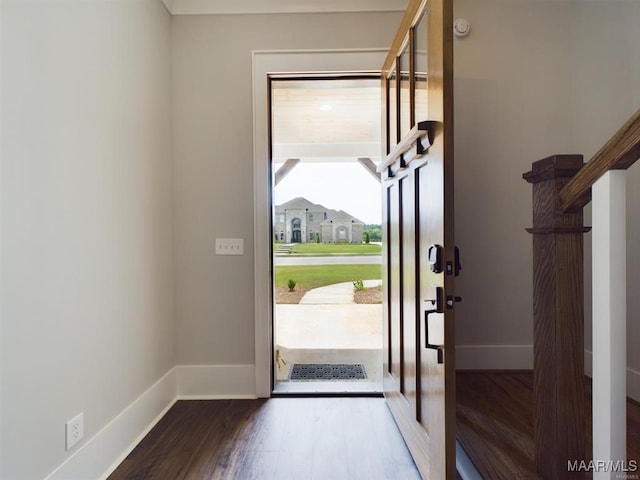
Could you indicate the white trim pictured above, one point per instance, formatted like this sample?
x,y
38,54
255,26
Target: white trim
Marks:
x,y
633,376
217,7
213,382
520,357
609,350
494,357
102,453
633,384
95,459
265,62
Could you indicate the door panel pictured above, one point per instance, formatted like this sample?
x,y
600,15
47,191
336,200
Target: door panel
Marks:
x,y
394,346
408,290
420,262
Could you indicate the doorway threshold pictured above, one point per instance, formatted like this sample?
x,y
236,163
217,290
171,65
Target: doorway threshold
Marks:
x,y
328,387
465,468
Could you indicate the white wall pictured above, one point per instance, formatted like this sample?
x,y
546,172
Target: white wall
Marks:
x,y
512,107
213,174
533,79
606,92
86,232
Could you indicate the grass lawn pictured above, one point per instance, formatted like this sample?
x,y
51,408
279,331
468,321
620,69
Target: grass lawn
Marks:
x,y
313,276
336,249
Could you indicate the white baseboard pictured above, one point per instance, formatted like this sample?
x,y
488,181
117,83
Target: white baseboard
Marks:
x,y
494,357
633,376
95,459
520,357
633,384
102,453
201,382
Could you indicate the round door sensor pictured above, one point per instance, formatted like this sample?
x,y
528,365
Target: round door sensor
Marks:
x,y
461,27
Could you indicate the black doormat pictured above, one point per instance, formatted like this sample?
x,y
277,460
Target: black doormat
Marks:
x,y
327,371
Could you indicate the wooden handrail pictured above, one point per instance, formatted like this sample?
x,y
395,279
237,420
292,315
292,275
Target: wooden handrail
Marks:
x,y
619,153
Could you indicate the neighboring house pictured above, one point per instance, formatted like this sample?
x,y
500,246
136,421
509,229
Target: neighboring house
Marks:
x,y
301,221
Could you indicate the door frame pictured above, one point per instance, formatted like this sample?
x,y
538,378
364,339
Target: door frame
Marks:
x,y
264,63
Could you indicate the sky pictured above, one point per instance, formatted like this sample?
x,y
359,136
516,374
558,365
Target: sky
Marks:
x,y
339,186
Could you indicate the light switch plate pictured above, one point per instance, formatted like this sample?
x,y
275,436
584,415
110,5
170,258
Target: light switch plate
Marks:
x,y
229,246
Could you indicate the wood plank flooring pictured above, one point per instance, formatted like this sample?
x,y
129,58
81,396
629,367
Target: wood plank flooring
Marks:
x,y
279,438
342,438
495,423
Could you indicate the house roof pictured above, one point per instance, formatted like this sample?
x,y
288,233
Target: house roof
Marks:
x,y
301,203
340,215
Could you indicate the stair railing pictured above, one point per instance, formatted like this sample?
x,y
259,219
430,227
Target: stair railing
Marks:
x,y
562,186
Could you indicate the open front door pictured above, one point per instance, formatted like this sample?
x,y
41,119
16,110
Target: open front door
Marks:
x,y
420,262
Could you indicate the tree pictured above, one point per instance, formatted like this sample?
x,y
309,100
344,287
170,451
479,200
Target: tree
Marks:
x,y
374,232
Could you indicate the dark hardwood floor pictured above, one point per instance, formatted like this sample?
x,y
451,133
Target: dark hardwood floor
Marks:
x,y
343,438
495,423
280,438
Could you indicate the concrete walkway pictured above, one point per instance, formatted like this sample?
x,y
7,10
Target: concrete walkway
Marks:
x,y
328,334
336,294
329,327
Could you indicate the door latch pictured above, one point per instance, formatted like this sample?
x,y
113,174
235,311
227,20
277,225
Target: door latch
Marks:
x,y
453,268
451,301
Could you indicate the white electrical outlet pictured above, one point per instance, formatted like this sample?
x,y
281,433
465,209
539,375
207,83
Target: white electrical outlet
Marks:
x,y
74,430
229,246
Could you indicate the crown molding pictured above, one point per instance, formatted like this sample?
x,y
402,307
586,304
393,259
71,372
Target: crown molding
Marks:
x,y
227,7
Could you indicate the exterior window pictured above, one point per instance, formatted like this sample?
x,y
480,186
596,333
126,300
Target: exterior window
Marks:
x,y
311,217
281,218
281,236
295,223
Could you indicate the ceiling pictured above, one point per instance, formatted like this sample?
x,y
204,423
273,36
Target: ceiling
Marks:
x,y
326,120
199,7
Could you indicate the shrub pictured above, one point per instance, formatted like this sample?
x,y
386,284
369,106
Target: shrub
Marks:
x,y
367,238
358,285
292,285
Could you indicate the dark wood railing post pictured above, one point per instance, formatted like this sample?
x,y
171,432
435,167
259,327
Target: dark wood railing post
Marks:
x,y
558,320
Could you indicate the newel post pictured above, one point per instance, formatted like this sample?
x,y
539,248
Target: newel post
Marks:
x,y
558,320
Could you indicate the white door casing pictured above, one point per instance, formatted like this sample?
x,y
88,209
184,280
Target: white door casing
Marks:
x,y
264,63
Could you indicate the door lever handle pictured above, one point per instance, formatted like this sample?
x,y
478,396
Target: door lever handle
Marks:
x,y
428,345
438,304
